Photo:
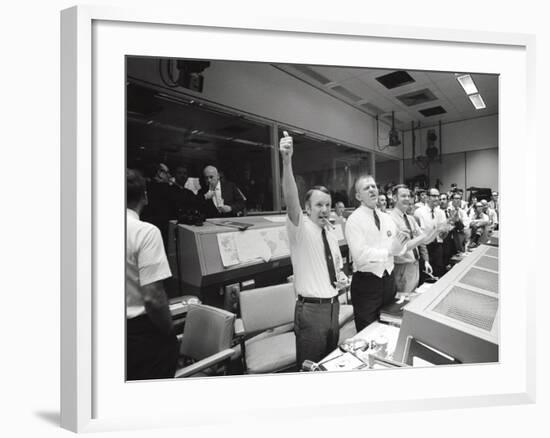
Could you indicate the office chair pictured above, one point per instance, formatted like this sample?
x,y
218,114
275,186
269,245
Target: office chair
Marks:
x,y
266,328
206,341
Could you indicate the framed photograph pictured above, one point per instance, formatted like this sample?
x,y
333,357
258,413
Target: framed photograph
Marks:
x,y
102,49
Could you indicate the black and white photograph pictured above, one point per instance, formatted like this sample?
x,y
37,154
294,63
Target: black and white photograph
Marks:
x,y
324,218
295,218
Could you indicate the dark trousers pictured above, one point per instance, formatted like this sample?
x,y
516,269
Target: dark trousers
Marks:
x,y
435,251
317,330
150,354
368,294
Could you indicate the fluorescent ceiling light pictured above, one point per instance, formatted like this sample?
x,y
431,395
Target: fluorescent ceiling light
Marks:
x,y
477,100
467,83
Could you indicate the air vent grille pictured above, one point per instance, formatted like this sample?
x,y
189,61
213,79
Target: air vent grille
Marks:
x,y
346,93
488,263
469,307
481,279
433,111
417,97
395,79
312,74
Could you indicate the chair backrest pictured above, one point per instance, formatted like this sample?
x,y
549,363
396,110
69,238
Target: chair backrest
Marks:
x,y
267,307
207,331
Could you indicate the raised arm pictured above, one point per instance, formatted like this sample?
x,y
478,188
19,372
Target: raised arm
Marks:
x,y
290,190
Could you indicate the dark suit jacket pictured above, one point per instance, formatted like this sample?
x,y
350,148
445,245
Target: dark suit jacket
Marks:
x,y
231,196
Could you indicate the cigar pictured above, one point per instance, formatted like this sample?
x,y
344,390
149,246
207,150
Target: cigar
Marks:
x,y
327,222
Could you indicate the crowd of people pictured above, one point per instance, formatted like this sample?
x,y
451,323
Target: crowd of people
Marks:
x,y
395,237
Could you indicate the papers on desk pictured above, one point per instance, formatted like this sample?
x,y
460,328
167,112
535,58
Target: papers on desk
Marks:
x,y
346,361
246,246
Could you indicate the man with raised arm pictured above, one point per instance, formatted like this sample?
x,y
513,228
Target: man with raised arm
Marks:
x,y
151,345
373,241
316,263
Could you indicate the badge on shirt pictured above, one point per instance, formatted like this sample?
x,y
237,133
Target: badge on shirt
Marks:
x,y
389,233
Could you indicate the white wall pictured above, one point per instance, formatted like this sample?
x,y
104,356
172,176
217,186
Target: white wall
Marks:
x,y
467,135
470,154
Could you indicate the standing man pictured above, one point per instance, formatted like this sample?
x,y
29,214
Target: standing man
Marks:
x,y
220,198
459,221
373,241
493,203
183,199
422,198
448,243
406,270
151,345
316,263
158,210
430,216
382,203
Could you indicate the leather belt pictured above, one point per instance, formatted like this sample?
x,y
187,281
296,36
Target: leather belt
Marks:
x,y
318,300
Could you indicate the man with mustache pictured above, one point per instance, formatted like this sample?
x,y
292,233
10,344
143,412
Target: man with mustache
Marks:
x,y
316,264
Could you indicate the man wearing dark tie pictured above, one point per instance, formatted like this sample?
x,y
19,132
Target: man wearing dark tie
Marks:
x,y
430,216
316,264
406,270
373,241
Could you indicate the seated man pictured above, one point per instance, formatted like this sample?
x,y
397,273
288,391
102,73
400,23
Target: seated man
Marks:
x,y
479,223
220,198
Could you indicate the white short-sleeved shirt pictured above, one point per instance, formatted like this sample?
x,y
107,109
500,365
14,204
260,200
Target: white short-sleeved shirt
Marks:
x,y
369,246
307,253
146,261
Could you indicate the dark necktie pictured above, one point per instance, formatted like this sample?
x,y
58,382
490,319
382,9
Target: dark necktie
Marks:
x,y
328,258
433,217
376,218
447,214
415,250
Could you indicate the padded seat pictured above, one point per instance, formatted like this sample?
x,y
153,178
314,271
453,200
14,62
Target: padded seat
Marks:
x,y
206,341
268,343
271,354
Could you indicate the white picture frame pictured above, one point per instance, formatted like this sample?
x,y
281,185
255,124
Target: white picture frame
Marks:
x,y
93,398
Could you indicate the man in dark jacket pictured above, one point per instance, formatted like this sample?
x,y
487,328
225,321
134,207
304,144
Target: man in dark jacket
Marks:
x,y
220,198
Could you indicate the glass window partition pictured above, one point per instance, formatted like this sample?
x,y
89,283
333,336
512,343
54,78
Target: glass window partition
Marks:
x,y
180,131
319,161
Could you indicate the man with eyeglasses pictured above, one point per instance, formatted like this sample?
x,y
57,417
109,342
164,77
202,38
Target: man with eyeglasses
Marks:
x,y
479,222
459,222
430,216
